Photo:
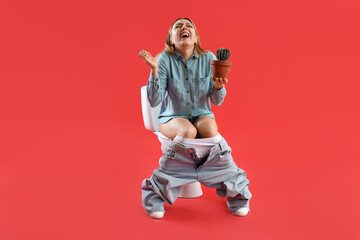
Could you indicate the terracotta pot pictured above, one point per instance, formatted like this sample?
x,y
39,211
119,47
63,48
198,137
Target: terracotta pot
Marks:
x,y
220,69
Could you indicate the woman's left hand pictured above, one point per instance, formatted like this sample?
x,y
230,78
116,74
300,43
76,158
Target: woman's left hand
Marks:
x,y
219,82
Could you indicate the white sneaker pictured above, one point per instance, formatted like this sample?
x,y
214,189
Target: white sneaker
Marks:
x,y
156,215
242,212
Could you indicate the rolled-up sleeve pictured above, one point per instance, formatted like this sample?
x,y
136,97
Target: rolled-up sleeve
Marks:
x,y
156,85
217,96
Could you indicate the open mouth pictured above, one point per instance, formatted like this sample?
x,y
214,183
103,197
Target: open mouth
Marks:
x,y
185,35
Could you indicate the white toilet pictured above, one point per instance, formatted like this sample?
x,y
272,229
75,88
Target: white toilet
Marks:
x,y
151,122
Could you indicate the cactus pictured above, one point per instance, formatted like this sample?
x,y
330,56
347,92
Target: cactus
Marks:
x,y
222,54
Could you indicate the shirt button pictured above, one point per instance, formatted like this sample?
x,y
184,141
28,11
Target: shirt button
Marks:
x,y
187,91
186,78
188,103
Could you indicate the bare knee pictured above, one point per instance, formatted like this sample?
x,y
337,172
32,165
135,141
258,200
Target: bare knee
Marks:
x,y
178,126
208,132
206,127
187,131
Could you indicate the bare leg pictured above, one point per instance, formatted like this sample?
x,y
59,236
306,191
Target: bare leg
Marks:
x,y
206,127
178,126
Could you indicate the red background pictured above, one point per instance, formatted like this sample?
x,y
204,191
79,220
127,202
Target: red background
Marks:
x,y
74,151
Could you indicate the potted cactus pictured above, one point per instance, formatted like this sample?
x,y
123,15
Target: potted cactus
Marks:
x,y
220,67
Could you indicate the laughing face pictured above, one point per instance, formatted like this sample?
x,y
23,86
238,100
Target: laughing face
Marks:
x,y
183,34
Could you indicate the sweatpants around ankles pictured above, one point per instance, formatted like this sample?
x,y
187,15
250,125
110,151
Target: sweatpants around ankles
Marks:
x,y
180,166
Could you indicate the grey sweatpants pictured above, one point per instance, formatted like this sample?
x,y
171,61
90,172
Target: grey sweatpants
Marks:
x,y
180,166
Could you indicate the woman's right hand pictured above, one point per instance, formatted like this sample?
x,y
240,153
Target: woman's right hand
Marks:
x,y
149,60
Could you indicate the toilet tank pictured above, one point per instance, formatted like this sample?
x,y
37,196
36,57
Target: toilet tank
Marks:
x,y
150,115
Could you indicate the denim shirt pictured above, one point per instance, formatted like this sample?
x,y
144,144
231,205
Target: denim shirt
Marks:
x,y
184,88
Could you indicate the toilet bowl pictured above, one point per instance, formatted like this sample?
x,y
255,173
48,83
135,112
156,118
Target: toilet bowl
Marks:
x,y
151,122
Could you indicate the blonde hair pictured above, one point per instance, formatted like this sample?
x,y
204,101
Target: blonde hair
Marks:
x,y
170,48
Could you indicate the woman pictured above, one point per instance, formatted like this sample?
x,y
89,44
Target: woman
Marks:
x,y
181,81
